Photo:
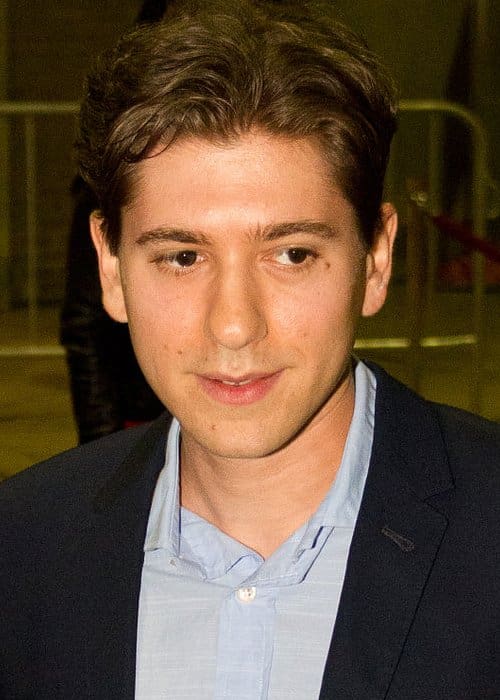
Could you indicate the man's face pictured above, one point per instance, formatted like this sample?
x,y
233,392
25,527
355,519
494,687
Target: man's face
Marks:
x,y
242,276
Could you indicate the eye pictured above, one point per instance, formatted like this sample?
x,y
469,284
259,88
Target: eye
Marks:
x,y
294,256
181,258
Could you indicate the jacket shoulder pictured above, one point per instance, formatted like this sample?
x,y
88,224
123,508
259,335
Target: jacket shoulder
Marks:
x,y
472,443
461,425
66,483
406,418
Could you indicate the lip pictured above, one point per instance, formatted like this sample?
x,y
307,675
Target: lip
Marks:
x,y
238,391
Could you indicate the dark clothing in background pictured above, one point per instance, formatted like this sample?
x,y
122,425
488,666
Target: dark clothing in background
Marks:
x,y
108,388
151,11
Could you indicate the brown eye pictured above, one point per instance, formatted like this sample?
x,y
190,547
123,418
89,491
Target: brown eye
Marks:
x,y
298,255
294,256
185,258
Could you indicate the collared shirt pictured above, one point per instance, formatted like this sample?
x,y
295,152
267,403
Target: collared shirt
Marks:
x,y
216,620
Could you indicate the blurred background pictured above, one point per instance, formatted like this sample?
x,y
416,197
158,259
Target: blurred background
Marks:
x,y
440,331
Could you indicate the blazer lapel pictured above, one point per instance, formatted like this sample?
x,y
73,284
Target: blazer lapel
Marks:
x,y
111,556
395,542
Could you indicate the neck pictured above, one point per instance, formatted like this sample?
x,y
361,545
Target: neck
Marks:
x,y
261,502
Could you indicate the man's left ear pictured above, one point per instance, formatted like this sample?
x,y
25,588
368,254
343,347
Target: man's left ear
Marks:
x,y
379,261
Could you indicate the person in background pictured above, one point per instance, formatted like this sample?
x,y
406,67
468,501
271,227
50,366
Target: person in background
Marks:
x,y
108,389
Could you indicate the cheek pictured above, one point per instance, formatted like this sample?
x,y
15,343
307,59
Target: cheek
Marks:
x,y
322,318
159,321
313,310
306,328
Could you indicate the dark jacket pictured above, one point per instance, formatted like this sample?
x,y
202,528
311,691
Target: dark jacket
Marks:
x,y
419,612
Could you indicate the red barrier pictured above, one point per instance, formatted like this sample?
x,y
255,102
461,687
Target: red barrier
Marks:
x,y
461,232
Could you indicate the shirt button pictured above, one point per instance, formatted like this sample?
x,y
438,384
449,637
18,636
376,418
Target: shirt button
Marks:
x,y
246,595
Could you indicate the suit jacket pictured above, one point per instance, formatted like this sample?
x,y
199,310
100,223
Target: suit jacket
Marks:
x,y
418,616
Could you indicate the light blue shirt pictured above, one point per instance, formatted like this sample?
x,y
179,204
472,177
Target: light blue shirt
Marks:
x,y
216,620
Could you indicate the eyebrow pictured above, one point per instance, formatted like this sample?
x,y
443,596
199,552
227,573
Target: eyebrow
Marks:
x,y
177,235
272,232
317,228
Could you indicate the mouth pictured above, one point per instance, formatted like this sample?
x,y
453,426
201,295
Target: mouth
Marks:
x,y
238,391
235,382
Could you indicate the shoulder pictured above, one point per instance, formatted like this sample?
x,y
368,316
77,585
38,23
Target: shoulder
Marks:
x,y
404,416
65,485
392,392
472,447
466,429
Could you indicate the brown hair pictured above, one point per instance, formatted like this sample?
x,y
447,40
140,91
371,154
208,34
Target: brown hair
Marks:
x,y
220,69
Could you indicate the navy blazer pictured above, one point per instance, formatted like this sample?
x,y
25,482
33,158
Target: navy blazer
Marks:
x,y
419,611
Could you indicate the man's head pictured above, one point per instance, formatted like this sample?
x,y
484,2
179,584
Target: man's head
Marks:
x,y
241,233
224,68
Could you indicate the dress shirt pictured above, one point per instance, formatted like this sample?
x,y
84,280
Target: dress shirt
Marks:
x,y
216,620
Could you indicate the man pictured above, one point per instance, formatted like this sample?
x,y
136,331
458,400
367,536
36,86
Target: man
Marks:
x,y
306,527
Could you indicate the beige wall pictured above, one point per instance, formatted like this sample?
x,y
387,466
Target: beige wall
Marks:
x,y
50,44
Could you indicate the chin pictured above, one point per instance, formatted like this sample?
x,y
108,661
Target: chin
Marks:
x,y
242,449
240,445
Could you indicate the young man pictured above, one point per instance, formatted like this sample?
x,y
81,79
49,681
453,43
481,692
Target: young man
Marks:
x,y
306,527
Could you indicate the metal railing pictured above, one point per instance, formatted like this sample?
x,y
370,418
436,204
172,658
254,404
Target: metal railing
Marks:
x,y
480,178
27,113
434,110
419,228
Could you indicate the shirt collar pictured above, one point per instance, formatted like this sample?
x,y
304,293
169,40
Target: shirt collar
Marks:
x,y
342,502
164,518
339,508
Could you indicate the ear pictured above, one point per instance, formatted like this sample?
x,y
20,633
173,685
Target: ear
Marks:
x,y
109,271
379,261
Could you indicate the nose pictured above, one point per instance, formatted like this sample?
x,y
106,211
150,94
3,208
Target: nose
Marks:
x,y
236,315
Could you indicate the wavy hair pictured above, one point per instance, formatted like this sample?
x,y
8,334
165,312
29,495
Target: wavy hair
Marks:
x,y
217,69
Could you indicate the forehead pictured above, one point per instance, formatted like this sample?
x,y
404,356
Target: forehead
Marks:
x,y
254,179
